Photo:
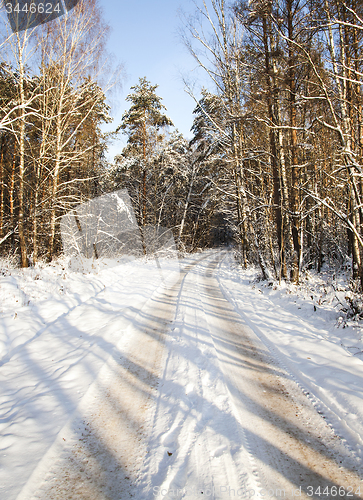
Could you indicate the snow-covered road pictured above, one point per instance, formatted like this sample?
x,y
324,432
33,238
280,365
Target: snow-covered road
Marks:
x,y
156,387
230,421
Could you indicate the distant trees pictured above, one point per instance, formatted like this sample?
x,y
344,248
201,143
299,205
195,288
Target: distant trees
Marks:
x,y
170,180
161,171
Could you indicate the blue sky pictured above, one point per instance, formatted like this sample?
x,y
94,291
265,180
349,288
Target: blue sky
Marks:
x,y
144,38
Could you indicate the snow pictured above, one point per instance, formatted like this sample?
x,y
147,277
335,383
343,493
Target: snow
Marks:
x,y
140,366
190,449
58,328
324,358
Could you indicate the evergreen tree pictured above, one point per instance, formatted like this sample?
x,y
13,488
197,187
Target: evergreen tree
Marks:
x,y
143,124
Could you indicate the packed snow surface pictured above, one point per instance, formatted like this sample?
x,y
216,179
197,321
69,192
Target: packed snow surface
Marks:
x,y
166,379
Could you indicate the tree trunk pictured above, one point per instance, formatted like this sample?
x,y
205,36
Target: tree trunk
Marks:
x,y
143,221
2,190
186,205
274,147
294,152
55,173
21,192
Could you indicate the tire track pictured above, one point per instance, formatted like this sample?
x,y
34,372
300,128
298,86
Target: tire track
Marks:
x,y
291,444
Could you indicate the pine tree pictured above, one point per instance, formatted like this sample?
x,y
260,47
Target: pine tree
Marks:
x,y
143,123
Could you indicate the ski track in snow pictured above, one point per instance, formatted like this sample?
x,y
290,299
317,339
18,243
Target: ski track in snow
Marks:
x,y
175,391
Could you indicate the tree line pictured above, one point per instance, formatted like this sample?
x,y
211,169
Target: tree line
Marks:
x,y
284,120
275,163
51,144
274,166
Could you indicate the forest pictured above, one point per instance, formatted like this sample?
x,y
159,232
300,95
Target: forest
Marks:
x,y
274,166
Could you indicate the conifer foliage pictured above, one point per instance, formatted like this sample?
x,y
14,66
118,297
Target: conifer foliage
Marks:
x,y
143,123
